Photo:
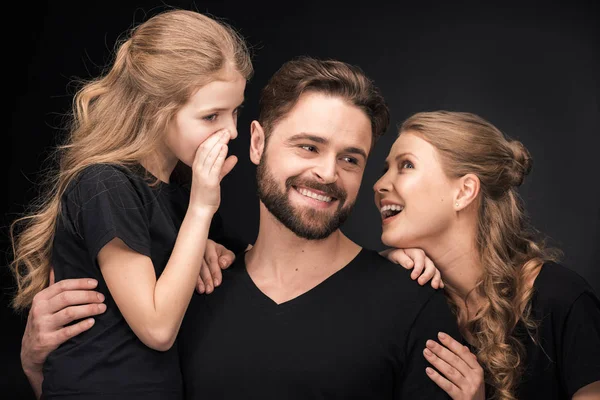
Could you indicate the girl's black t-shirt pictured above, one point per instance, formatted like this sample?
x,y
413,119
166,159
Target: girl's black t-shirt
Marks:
x,y
109,361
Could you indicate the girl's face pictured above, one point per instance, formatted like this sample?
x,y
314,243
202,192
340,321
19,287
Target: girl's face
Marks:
x,y
414,195
211,108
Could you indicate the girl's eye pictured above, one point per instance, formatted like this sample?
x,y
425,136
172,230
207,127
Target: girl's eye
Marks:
x,y
210,118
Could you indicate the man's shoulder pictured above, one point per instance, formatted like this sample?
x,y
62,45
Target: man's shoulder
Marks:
x,y
385,270
376,260
391,280
389,288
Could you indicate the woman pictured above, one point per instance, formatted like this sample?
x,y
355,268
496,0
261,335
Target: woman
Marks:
x,y
450,189
171,96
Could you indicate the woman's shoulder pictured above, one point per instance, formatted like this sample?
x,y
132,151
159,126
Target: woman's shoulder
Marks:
x,y
558,286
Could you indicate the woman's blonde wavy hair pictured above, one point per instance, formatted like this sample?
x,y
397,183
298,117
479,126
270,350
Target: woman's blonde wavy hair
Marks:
x,y
509,249
119,118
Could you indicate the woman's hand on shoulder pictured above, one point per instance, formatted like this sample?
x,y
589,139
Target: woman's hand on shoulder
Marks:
x,y
423,269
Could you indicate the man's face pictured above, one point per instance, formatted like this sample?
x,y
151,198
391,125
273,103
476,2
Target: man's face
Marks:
x,y
312,165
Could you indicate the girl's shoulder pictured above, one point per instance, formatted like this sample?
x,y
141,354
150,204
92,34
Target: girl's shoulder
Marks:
x,y
107,177
108,173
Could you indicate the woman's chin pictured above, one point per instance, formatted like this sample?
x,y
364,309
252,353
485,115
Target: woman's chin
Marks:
x,y
400,240
391,241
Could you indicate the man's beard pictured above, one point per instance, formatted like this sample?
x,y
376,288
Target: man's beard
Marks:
x,y
305,222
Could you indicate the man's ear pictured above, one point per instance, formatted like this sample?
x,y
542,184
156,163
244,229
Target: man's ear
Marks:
x,y
257,142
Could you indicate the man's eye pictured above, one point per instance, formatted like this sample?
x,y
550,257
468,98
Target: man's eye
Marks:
x,y
350,160
308,147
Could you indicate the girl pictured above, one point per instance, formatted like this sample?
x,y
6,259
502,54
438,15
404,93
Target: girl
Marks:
x,y
534,325
115,211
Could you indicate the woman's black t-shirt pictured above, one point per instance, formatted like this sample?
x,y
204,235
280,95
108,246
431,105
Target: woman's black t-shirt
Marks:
x,y
109,361
566,356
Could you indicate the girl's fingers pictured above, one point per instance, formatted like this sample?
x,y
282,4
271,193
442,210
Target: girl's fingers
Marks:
x,y
206,278
228,165
217,165
208,145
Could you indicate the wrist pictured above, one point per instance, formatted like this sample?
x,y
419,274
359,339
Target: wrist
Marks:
x,y
31,369
28,365
201,211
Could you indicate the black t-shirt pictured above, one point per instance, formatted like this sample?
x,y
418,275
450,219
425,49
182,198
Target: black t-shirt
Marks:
x,y
568,355
109,361
359,334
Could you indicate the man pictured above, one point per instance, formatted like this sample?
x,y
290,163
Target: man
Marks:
x,y
307,313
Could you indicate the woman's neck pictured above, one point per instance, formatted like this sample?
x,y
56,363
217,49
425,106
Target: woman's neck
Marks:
x,y
459,262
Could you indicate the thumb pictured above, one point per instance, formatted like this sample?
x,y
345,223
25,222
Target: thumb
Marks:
x,y
228,165
226,259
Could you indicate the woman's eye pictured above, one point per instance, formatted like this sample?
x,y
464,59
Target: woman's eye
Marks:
x,y
210,118
406,164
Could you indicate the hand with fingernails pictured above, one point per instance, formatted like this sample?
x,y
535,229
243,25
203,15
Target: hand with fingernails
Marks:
x,y
210,165
457,370
422,267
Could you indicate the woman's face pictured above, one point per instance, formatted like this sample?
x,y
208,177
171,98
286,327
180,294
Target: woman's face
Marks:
x,y
211,108
414,195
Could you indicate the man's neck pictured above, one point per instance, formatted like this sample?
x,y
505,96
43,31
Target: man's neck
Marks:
x,y
284,265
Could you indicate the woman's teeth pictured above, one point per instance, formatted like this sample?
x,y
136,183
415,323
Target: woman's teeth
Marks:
x,y
390,210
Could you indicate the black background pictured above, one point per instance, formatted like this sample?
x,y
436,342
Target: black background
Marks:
x,y
531,69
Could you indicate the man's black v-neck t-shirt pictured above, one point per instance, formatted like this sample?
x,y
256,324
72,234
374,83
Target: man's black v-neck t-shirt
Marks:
x,y
358,334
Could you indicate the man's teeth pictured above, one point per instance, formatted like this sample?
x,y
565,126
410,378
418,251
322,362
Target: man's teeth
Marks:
x,y
314,195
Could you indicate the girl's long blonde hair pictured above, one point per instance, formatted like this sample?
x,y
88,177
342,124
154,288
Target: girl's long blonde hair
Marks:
x,y
508,247
119,118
